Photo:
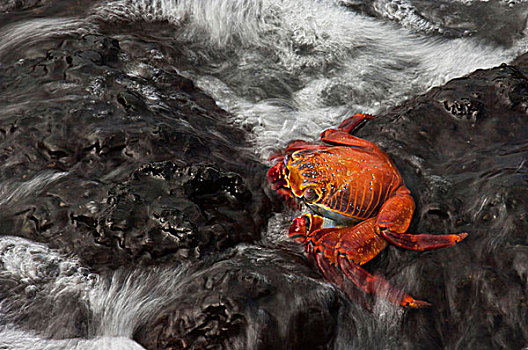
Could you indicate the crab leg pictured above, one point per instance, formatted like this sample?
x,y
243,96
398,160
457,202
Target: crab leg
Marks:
x,y
394,219
350,124
347,126
422,242
296,146
302,230
377,285
340,137
349,247
356,246
300,144
335,276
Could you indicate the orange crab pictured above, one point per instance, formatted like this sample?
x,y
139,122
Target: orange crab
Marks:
x,y
354,183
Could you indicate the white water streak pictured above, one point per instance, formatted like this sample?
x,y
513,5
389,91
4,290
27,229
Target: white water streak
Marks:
x,y
117,305
290,69
26,34
14,191
129,299
15,339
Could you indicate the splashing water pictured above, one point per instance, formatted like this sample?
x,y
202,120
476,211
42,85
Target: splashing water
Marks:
x,y
286,69
291,69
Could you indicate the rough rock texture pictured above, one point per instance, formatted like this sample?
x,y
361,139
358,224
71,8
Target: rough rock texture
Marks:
x,y
93,169
96,168
462,149
123,163
502,24
251,298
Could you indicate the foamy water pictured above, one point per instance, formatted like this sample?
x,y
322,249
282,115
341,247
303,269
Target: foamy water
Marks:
x,y
291,69
286,68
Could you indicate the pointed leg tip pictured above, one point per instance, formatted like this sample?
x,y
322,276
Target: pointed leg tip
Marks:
x,y
415,304
368,116
462,236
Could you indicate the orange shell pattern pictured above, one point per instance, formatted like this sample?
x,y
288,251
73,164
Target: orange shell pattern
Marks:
x,y
349,181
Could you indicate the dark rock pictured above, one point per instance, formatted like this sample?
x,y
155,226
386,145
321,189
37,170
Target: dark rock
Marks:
x,y
124,163
501,26
462,149
17,5
252,298
165,210
98,170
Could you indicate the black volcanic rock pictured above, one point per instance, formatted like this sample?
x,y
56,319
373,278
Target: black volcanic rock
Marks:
x,y
122,162
462,149
249,299
165,209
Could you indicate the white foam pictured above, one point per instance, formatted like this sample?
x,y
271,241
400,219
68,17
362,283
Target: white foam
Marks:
x,y
23,35
117,305
291,69
404,12
13,191
12,338
130,298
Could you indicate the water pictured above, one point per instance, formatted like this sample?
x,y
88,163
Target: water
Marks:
x,y
284,69
290,69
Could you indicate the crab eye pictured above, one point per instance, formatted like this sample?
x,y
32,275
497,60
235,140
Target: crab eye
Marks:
x,y
310,195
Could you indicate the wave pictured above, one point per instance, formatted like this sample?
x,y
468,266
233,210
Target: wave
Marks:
x,y
319,59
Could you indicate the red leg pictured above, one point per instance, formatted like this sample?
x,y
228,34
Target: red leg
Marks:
x,y
394,219
300,144
377,285
335,276
347,126
359,243
341,246
351,123
296,145
311,226
397,211
339,137
422,242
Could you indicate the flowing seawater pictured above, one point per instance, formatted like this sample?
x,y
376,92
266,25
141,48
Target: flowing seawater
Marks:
x,y
283,69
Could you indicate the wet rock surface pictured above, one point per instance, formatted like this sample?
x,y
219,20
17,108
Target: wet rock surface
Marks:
x,y
449,18
462,149
99,169
122,163
251,298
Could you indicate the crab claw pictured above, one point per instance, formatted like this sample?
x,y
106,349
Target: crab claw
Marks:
x,y
276,176
303,228
299,229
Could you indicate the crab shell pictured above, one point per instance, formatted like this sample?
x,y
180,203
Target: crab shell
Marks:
x,y
340,182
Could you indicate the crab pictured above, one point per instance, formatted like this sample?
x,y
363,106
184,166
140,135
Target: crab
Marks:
x,y
354,183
